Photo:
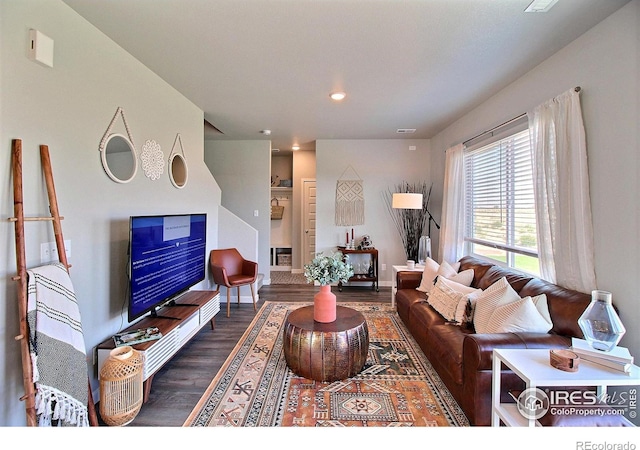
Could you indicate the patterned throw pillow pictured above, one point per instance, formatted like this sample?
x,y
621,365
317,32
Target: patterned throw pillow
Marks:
x,y
432,270
452,300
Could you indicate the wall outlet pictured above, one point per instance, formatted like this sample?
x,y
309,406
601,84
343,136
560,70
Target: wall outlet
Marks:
x,y
49,251
384,267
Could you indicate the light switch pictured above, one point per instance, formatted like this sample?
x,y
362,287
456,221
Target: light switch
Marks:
x,y
255,213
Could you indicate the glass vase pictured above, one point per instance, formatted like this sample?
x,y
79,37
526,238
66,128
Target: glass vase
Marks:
x,y
424,249
600,323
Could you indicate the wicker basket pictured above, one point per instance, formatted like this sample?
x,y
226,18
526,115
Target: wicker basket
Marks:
x,y
121,392
276,210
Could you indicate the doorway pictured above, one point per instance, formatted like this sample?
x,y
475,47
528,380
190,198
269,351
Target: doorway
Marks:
x,y
308,220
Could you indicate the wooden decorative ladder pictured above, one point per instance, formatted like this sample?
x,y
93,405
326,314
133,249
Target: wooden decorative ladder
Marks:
x,y
21,278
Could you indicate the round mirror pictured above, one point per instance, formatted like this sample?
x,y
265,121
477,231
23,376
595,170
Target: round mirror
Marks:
x,y
178,170
119,158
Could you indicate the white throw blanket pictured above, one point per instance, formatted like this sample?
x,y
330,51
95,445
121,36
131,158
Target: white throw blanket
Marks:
x,y
57,348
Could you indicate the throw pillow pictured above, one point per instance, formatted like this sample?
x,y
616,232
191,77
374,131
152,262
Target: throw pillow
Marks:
x,y
432,269
499,293
517,316
452,300
465,277
540,301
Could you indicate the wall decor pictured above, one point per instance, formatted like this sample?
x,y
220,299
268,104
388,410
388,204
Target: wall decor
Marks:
x,y
349,200
118,153
178,172
152,159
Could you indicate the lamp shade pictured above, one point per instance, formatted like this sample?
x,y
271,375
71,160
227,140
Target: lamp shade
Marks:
x,y
406,201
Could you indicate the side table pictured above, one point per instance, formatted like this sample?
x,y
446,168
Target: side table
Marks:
x,y
394,278
533,367
363,277
326,351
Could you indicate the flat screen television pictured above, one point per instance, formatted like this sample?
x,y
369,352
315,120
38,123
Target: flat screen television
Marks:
x,y
166,258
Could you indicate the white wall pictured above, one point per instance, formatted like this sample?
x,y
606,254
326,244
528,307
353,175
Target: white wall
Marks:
x,y
69,107
605,63
243,168
381,164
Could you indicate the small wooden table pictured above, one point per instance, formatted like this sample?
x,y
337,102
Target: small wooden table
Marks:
x,y
326,351
363,277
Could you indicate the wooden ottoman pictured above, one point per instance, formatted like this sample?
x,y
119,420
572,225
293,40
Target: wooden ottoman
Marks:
x,y
326,351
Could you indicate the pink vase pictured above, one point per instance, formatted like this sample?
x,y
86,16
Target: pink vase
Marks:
x,y
324,305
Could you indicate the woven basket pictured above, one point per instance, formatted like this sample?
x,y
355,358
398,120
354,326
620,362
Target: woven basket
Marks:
x,y
121,392
276,210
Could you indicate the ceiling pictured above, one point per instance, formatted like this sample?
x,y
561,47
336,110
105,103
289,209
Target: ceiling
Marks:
x,y
252,65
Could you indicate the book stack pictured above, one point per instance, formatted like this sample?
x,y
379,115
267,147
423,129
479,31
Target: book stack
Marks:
x,y
138,336
618,359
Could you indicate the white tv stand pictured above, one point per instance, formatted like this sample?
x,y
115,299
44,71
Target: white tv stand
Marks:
x,y
178,323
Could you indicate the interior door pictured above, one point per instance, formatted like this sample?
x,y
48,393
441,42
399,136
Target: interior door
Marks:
x,y
308,220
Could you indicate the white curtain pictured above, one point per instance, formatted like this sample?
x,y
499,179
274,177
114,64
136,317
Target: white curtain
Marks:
x,y
451,246
563,205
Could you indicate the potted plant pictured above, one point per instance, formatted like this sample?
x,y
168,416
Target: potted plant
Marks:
x,y
326,270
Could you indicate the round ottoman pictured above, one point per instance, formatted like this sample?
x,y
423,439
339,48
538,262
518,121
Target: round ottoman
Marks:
x,y
326,351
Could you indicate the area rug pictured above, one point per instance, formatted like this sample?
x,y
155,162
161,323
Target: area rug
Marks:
x,y
282,277
397,386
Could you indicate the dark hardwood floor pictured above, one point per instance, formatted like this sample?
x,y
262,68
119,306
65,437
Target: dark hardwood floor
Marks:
x,y
178,386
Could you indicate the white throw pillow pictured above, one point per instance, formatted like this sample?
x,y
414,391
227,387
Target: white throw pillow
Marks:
x,y
452,300
499,293
465,277
517,316
432,270
543,307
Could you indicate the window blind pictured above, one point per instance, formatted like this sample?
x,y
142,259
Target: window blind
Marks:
x,y
499,201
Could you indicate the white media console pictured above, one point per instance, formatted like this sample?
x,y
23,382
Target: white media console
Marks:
x,y
178,323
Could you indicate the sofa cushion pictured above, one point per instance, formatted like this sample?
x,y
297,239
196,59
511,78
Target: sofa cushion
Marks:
x,y
565,305
515,279
432,270
446,350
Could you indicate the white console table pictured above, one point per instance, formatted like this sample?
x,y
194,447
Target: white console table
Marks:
x,y
394,279
533,367
178,324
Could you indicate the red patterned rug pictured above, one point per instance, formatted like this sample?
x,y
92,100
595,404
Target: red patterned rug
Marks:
x,y
397,386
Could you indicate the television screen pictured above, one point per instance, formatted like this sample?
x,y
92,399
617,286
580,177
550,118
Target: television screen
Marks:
x,y
167,257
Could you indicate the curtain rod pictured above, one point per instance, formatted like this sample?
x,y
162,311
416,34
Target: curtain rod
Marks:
x,y
577,89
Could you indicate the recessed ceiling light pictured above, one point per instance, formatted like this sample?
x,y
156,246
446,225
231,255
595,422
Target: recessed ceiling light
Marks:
x,y
540,6
295,147
337,96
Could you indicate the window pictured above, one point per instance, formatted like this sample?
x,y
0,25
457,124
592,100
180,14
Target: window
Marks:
x,y
500,213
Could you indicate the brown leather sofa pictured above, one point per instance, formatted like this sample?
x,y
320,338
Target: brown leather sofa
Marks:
x,y
461,357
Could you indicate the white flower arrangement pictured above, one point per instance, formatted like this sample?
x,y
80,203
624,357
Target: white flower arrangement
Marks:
x,y
327,269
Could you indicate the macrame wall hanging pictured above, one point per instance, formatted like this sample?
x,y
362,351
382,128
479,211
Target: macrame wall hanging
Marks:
x,y
349,200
